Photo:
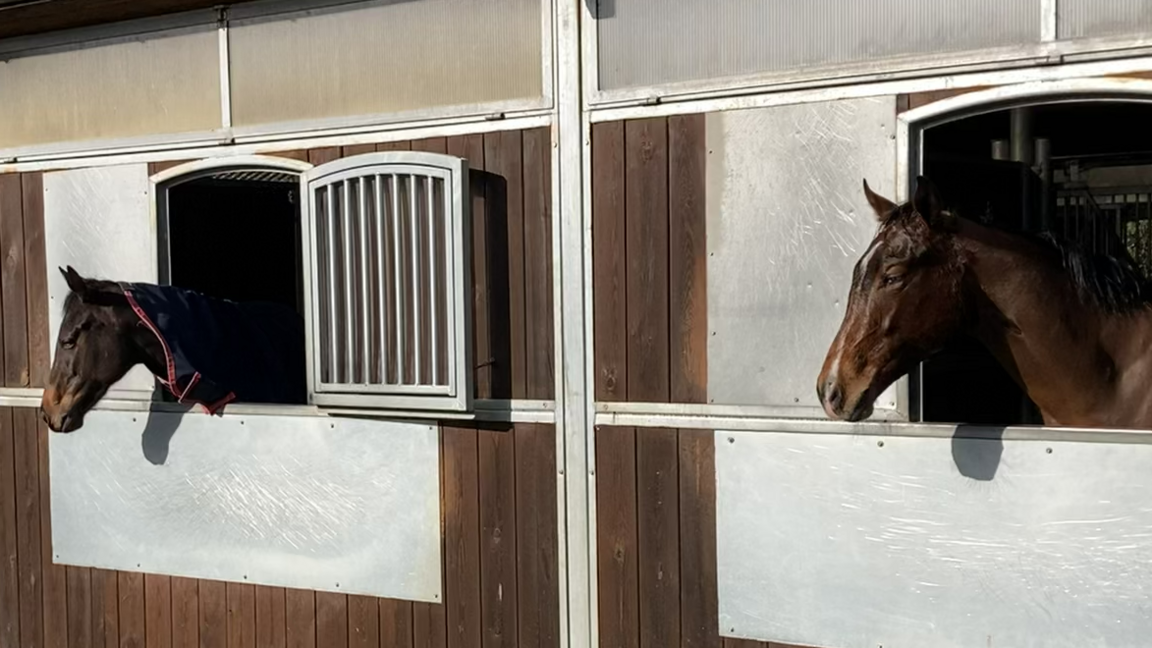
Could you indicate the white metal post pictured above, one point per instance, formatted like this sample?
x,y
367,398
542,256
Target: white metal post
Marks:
x,y
573,398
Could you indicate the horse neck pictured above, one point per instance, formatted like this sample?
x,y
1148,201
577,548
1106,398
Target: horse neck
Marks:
x,y
146,349
1031,317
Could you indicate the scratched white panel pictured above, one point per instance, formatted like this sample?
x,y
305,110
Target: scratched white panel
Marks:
x,y
333,504
787,220
835,540
100,222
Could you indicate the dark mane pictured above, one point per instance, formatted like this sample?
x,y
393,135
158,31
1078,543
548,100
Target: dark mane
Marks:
x,y
1113,283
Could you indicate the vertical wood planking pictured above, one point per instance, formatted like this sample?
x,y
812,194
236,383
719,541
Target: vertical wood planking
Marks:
x,y
36,272
164,165
402,145
292,155
616,530
331,620
131,602
54,577
270,618
12,281
9,553
497,481
646,230
658,501
688,259
462,593
157,611
80,608
105,609
241,601
324,155
699,614
609,274
471,147
431,145
28,529
363,622
300,618
185,612
395,623
503,156
357,149
537,184
428,626
536,537
213,614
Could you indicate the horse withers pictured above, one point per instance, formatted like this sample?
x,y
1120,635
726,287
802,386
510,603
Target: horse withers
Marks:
x,y
1073,329
203,350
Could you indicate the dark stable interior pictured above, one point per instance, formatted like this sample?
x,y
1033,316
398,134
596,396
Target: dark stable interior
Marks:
x,y
236,239
1101,166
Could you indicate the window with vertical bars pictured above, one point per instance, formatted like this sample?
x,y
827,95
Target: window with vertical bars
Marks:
x,y
386,270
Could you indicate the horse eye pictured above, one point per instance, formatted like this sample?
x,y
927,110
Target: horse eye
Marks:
x,y
890,279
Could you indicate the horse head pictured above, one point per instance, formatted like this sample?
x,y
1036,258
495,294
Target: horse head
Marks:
x,y
905,303
95,348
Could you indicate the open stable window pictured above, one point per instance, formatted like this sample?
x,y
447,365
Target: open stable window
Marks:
x,y
370,250
386,266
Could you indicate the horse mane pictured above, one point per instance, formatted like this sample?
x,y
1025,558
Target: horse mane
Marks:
x,y
1115,284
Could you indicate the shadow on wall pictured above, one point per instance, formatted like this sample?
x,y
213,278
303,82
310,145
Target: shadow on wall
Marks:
x,y
157,435
976,451
602,9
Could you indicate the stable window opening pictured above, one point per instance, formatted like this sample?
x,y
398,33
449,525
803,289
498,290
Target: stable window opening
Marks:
x,y
372,253
234,234
1081,172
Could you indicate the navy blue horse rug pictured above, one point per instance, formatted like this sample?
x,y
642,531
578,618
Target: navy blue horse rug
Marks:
x,y
218,350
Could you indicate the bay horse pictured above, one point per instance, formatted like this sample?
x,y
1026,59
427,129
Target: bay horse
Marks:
x,y
202,349
1072,328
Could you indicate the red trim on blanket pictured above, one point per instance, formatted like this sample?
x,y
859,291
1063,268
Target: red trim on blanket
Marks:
x,y
171,362
170,384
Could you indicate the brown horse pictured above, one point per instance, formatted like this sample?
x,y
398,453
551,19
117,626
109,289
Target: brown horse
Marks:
x,y
203,350
1073,329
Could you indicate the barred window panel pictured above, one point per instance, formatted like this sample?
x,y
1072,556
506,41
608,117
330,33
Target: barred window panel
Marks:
x,y
387,275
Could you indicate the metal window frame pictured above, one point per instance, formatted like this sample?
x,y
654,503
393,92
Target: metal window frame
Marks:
x,y
458,396
911,125
1046,51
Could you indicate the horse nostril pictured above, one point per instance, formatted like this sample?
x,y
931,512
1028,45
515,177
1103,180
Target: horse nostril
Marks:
x,y
834,396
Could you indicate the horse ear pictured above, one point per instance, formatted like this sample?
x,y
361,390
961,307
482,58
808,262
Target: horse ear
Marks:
x,y
883,207
76,283
928,204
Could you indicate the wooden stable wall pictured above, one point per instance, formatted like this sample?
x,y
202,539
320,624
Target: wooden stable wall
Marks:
x,y
499,482
656,488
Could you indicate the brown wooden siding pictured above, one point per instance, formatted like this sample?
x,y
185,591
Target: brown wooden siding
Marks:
x,y
498,482
656,488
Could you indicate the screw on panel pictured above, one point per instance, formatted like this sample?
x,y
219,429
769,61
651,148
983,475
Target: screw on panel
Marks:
x,y
731,439
1048,450
880,444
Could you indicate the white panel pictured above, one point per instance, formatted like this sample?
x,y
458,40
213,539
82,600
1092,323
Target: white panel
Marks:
x,y
837,540
787,220
1079,18
383,57
649,42
345,505
152,84
99,221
